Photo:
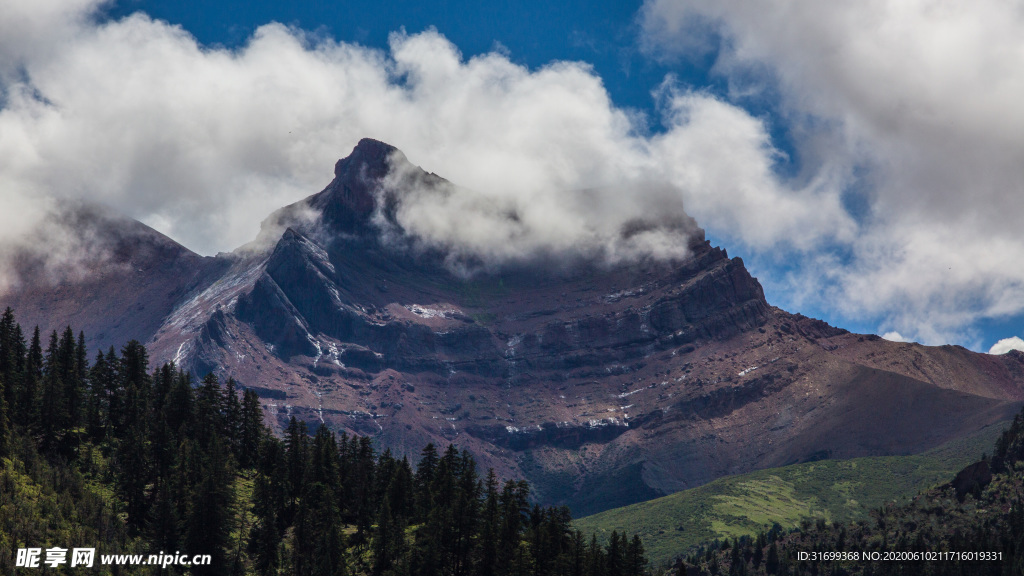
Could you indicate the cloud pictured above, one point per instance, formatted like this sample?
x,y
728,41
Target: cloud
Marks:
x,y
914,104
27,29
479,230
203,142
908,107
1007,344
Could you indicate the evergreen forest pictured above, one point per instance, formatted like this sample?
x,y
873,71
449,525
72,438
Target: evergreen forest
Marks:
x,y
103,451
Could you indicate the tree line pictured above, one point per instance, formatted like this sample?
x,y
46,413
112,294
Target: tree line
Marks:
x,y
148,461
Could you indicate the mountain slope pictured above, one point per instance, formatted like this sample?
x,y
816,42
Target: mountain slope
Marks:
x,y
125,283
601,384
835,490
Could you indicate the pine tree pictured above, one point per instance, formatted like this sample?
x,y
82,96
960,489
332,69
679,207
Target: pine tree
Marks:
x,y
164,528
362,479
736,563
297,454
16,382
318,538
384,471
134,365
209,419
179,408
265,539
465,512
252,430
133,453
211,508
635,559
595,559
323,466
400,490
80,381
424,478
273,467
232,417
577,560
8,378
171,451
389,539
53,411
8,356
5,425
771,562
97,405
28,411
114,384
513,503
615,552
163,434
134,472
490,527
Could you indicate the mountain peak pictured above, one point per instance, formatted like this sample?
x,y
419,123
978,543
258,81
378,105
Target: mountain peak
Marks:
x,y
290,235
369,159
349,201
345,206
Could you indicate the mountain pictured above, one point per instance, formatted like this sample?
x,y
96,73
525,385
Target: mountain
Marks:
x,y
601,384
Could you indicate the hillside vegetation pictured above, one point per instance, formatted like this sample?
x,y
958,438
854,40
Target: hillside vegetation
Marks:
x,y
743,505
971,525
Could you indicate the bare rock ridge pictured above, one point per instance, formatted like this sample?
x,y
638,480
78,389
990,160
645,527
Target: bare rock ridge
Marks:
x,y
603,385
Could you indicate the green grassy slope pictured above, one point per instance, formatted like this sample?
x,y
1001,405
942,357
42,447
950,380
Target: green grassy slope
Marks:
x,y
51,504
835,490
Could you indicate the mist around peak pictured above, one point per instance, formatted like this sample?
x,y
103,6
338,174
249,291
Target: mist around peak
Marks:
x,y
378,195
487,229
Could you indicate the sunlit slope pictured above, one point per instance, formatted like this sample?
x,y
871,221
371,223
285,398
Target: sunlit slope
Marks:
x,y
835,490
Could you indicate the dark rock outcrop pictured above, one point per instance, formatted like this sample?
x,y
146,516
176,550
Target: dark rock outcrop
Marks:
x,y
971,480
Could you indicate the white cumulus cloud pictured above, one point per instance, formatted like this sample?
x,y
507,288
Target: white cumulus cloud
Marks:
x,y
203,142
1007,344
920,99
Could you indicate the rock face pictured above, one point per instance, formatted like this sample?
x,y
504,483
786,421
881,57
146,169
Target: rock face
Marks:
x,y
602,385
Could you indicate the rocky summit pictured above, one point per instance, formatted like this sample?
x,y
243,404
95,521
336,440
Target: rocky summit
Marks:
x,y
601,384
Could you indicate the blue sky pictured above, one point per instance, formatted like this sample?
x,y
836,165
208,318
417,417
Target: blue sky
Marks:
x,y
534,33
864,158
605,35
